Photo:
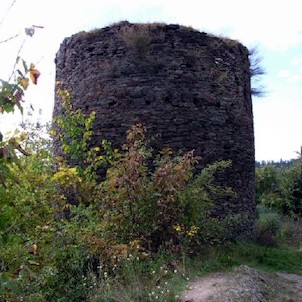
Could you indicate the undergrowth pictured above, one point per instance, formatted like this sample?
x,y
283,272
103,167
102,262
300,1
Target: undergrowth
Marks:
x,y
140,234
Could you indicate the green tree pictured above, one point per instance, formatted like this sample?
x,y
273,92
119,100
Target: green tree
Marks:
x,y
280,189
268,185
291,188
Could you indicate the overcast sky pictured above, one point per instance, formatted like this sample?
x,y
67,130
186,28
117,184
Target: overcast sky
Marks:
x,y
275,28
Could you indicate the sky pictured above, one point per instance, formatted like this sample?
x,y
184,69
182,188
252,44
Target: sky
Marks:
x,y
274,28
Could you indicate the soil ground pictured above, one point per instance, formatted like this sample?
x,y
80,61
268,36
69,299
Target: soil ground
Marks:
x,y
245,284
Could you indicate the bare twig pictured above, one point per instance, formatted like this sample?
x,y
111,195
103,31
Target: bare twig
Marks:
x,y
7,11
16,62
10,38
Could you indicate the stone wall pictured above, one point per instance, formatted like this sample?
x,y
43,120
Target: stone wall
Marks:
x,y
191,88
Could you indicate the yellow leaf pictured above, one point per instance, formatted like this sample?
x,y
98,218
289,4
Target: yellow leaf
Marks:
x,y
33,249
34,73
24,83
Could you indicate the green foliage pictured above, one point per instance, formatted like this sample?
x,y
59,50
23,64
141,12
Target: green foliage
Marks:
x,y
10,96
157,279
273,229
269,258
291,187
164,208
113,238
291,233
135,210
267,229
267,185
76,126
280,189
26,216
12,93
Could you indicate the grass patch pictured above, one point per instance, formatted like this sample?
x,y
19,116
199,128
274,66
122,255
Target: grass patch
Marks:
x,y
164,278
160,279
268,258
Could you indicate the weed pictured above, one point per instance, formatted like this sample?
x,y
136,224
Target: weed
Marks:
x,y
137,39
142,280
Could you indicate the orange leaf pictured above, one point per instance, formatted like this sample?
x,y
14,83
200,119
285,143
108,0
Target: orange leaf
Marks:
x,y
34,73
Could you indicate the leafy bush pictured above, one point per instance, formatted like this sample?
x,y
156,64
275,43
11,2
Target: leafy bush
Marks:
x,y
291,233
291,187
280,189
267,229
268,185
138,209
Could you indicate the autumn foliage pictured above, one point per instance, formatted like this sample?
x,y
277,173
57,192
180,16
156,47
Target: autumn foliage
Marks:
x,y
57,215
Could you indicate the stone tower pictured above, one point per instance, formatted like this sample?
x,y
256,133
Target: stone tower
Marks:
x,y
191,88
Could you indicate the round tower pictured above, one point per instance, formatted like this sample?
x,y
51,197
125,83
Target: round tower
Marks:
x,y
189,89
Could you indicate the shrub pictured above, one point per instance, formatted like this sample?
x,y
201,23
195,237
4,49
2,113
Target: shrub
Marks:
x,y
138,210
268,185
267,229
291,233
160,208
291,187
280,190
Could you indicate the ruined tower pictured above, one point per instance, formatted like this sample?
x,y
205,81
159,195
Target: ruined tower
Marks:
x,y
191,88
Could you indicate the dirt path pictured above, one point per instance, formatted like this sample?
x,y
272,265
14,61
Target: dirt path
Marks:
x,y
245,284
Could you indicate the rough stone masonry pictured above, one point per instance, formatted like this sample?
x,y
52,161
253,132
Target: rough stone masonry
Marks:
x,y
190,89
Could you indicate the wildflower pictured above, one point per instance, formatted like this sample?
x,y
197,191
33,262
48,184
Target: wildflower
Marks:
x,y
177,228
193,230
